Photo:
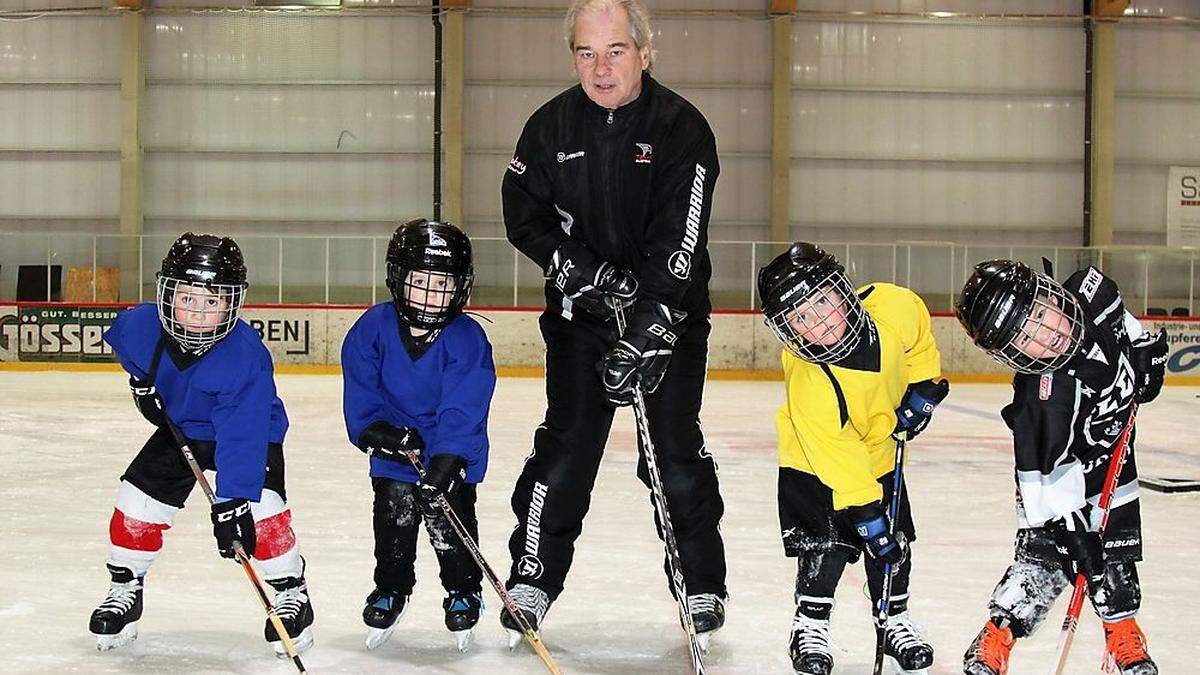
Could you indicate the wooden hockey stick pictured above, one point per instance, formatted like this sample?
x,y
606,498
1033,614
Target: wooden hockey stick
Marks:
x,y
664,517
1075,608
531,636
885,596
239,552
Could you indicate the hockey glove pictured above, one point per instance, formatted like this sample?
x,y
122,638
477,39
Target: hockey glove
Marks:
x,y
916,408
443,477
389,442
232,521
640,357
874,528
1149,364
589,282
1081,551
147,400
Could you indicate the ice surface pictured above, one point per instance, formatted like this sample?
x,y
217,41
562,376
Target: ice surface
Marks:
x,y
66,437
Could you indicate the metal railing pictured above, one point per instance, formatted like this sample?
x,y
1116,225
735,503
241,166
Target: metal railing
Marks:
x,y
349,270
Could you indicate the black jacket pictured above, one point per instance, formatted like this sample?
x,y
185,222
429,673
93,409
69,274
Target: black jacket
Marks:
x,y
634,184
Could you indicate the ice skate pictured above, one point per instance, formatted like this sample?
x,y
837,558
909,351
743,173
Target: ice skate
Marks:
x,y
462,613
708,616
904,645
988,654
294,609
810,649
1125,649
114,622
533,604
382,611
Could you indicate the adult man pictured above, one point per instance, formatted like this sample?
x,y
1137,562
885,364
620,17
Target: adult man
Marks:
x,y
609,192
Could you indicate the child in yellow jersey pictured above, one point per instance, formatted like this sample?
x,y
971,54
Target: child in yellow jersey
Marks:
x,y
861,367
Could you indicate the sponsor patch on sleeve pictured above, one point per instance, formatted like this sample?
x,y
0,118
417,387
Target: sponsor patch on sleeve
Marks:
x,y
516,166
1091,282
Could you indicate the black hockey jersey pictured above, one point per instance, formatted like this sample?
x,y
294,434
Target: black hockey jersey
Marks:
x,y
634,184
1066,423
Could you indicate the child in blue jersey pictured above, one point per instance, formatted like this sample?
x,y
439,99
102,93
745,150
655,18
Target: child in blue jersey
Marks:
x,y
418,377
192,362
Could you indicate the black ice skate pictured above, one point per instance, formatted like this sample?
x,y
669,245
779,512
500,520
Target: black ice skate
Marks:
x,y
708,615
114,623
810,648
533,604
462,613
907,649
295,611
383,609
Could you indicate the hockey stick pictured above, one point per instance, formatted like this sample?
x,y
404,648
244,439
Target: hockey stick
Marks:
x,y
527,630
885,596
238,551
664,517
1075,608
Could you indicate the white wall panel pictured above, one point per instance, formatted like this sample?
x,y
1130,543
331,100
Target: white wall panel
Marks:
x,y
66,118
523,47
289,47
61,48
1008,7
1163,8
1140,204
740,118
1157,59
1162,130
971,57
859,124
300,188
495,115
652,5
935,195
697,50
52,185
287,117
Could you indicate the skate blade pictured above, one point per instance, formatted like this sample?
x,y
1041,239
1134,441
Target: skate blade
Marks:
x,y
901,671
514,639
704,639
463,639
301,642
378,636
128,634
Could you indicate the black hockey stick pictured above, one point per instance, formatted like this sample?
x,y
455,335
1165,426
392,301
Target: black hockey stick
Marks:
x,y
510,606
659,497
1075,608
238,551
885,595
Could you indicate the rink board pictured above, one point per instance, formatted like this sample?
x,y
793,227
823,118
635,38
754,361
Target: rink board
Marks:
x,y
740,345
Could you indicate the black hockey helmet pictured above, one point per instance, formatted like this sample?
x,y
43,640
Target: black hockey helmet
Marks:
x,y
201,287
440,254
805,294
1025,320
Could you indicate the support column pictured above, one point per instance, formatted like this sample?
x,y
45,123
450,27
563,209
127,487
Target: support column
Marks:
x,y
781,118
133,86
453,59
1102,137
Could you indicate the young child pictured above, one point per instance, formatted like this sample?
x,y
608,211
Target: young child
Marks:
x,y
418,376
191,361
860,367
1081,361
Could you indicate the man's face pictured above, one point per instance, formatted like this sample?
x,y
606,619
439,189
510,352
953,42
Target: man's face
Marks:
x,y
199,309
607,62
1046,334
821,318
431,291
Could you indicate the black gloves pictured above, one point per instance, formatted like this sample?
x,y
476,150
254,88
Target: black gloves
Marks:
x,y
641,355
1149,365
147,400
232,521
874,528
1081,550
589,282
443,477
916,408
385,441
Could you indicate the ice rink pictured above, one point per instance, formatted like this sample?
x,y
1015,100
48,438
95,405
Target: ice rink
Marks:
x,y
66,437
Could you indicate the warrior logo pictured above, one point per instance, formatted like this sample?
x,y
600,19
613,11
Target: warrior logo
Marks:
x,y
680,262
529,565
568,156
644,152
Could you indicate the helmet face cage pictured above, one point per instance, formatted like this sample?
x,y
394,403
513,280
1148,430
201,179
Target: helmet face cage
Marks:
x,y
196,314
799,323
427,298
1050,334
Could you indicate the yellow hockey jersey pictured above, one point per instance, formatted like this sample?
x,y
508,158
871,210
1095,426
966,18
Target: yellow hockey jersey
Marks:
x,y
838,420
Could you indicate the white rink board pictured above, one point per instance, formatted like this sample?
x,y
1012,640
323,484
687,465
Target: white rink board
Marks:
x,y
67,437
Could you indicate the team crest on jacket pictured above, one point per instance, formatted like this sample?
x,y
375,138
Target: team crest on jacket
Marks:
x,y
643,153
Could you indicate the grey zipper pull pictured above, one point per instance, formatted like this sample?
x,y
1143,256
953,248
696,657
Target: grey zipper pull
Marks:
x,y
610,113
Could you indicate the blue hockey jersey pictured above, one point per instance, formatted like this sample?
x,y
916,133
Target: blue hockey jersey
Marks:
x,y
445,394
227,396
